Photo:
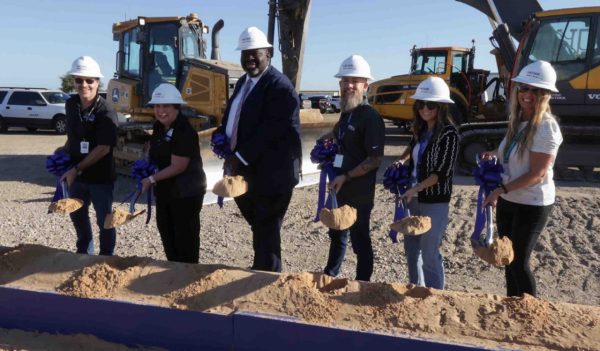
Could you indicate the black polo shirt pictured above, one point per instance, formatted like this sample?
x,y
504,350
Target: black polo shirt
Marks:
x,y
96,125
360,134
179,140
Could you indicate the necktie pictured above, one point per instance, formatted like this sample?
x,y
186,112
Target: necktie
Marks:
x,y
236,122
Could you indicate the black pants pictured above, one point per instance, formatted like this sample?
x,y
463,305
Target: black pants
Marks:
x,y
178,222
522,224
265,215
361,245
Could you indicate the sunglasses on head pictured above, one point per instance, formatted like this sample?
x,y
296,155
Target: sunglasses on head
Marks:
x,y
430,105
89,81
526,88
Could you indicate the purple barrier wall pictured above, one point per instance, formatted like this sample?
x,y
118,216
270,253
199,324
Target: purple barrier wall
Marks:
x,y
134,325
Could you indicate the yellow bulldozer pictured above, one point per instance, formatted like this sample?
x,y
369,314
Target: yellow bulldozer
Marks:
x,y
154,50
468,86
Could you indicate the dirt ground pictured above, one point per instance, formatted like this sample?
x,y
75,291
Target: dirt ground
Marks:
x,y
566,260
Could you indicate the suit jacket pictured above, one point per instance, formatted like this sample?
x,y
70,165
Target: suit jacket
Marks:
x,y
268,134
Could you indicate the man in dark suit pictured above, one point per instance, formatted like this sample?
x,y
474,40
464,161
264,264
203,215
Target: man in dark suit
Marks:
x,y
263,126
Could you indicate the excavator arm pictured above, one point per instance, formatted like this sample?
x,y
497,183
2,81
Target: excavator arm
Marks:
x,y
293,26
507,18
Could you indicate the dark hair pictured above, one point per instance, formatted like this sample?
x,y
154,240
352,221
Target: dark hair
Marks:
x,y
419,127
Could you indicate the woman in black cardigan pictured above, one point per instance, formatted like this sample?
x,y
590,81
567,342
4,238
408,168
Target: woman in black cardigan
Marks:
x,y
431,154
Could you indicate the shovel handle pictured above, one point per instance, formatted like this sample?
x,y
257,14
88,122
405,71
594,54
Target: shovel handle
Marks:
x,y
489,226
334,203
134,200
65,190
405,205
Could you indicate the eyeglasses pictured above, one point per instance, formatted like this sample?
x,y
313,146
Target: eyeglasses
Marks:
x,y
89,81
430,104
526,88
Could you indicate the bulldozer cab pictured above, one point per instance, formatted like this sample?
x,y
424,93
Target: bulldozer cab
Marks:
x,y
150,53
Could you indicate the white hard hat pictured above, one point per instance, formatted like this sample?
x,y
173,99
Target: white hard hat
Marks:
x,y
166,94
85,66
539,74
355,66
433,89
253,38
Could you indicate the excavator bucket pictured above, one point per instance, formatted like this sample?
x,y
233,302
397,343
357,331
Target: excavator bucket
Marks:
x,y
512,12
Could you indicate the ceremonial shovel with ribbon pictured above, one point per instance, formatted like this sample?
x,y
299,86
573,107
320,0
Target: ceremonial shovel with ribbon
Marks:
x,y
328,212
141,169
397,180
498,252
58,164
323,154
229,186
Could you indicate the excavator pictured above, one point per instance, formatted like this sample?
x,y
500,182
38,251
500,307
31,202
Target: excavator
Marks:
x,y
154,50
569,39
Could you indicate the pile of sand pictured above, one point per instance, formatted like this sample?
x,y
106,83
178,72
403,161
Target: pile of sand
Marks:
x,y
482,319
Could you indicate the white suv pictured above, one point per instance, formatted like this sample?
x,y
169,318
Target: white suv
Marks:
x,y
33,108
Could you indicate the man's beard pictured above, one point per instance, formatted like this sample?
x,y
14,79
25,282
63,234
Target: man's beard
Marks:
x,y
351,101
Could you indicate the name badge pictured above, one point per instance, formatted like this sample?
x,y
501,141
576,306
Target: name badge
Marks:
x,y
337,162
84,147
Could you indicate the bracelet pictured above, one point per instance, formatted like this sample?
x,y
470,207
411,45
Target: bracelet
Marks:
x,y
504,188
78,169
152,180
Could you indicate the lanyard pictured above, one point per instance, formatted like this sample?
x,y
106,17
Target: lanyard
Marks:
x,y
513,144
422,146
343,128
88,117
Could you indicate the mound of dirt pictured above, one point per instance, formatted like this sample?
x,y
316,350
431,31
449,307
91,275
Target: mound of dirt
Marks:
x,y
488,320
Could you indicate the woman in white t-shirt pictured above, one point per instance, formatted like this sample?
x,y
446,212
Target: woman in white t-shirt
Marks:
x,y
526,196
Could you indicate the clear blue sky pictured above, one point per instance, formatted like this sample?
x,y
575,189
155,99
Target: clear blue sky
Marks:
x,y
40,38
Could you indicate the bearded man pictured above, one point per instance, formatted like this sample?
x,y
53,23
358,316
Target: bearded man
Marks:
x,y
359,134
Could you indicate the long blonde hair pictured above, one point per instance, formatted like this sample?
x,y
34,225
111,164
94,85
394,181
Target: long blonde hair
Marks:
x,y
542,106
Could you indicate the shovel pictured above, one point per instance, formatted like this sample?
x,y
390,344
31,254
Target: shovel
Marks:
x,y
65,205
495,251
337,218
120,217
411,225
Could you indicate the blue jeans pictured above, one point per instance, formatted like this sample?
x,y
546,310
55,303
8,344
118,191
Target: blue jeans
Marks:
x,y
361,245
101,195
425,262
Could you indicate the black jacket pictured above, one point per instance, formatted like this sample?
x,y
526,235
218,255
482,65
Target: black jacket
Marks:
x,y
269,134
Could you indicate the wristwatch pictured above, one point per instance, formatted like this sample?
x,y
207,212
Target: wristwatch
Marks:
x,y
152,180
79,171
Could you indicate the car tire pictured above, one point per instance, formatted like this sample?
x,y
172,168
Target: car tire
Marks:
x,y
60,124
3,126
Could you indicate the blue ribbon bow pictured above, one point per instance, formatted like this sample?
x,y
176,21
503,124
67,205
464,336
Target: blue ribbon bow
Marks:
x,y
219,143
58,164
139,170
323,154
397,180
488,175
